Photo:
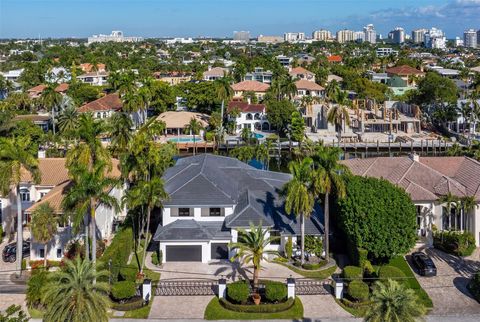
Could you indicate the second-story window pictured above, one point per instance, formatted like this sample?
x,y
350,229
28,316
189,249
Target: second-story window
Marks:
x,y
24,194
183,212
215,212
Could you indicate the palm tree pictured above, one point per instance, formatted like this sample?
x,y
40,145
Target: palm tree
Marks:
x,y
149,193
246,135
68,120
288,87
251,248
90,188
330,178
120,132
332,89
194,127
393,302
44,226
338,114
72,294
51,100
450,202
224,93
15,157
466,112
300,194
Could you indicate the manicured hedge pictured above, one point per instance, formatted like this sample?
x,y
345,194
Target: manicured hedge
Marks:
x,y
262,308
352,272
238,292
457,243
474,286
128,306
358,290
390,272
157,258
275,291
123,290
129,273
118,252
313,267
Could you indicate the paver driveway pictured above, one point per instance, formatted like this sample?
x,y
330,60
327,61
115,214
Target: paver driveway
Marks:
x,y
448,290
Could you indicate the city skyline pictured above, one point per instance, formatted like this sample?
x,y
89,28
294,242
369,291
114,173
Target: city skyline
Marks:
x,y
217,18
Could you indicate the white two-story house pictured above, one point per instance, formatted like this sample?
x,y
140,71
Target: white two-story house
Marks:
x,y
54,184
212,197
246,115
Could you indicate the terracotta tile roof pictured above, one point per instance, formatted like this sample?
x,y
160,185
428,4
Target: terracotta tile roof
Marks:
x,y
334,59
32,117
404,70
54,198
52,172
427,179
61,88
300,70
216,71
308,85
250,85
245,107
106,103
179,120
87,67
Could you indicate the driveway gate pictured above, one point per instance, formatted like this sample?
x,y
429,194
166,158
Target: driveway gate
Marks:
x,y
186,287
307,286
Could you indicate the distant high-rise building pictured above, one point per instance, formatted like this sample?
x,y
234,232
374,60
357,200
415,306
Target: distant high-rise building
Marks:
x,y
345,36
294,36
270,39
418,35
321,35
359,36
435,39
115,36
458,42
370,34
398,35
470,38
243,36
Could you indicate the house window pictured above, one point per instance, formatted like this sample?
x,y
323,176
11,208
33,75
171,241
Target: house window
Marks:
x,y
42,194
24,194
42,252
59,253
183,212
215,212
275,234
99,115
248,116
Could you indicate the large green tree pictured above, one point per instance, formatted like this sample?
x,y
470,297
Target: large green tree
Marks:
x,y
44,226
279,114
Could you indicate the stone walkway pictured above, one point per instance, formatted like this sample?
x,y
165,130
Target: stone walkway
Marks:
x,y
174,307
322,306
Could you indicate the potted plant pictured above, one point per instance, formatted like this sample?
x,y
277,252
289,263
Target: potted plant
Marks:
x,y
256,298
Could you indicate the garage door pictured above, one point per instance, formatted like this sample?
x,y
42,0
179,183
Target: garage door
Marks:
x,y
191,253
219,251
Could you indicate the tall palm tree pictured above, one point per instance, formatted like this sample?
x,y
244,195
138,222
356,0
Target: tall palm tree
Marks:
x,y
332,89
72,294
90,188
224,93
44,226
151,194
15,158
194,127
68,120
288,87
251,248
51,100
329,178
466,112
393,302
338,114
300,194
120,132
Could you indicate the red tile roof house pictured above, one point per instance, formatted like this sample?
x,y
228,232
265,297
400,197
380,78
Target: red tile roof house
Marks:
x,y
36,91
252,116
106,106
53,185
426,180
260,89
308,88
302,73
405,72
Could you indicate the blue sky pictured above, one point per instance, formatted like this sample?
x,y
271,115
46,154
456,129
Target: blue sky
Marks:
x,y
162,18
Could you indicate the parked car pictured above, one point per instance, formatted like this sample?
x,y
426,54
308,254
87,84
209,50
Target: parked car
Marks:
x,y
424,264
9,253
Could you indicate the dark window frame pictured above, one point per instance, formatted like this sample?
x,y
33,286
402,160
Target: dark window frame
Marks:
x,y
215,212
183,212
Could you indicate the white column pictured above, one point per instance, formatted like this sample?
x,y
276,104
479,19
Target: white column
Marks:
x,y
291,287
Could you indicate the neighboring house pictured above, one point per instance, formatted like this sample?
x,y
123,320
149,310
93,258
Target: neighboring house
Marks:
x,y
41,120
87,67
260,89
36,92
12,75
215,73
302,74
176,121
333,77
94,78
426,180
334,59
173,78
285,61
259,75
252,116
212,197
52,188
308,88
405,72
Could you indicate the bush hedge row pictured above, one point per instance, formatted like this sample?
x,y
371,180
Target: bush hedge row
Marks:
x,y
262,308
453,242
238,292
358,290
123,290
128,306
275,291
352,273
118,252
474,286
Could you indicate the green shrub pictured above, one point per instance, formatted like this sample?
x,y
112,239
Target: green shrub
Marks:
x,y
368,269
315,266
352,272
264,308
1,233
362,257
390,272
128,306
297,263
123,290
313,244
24,264
238,292
358,290
474,286
275,291
280,259
157,258
453,242
209,136
129,273
118,253
289,247
35,286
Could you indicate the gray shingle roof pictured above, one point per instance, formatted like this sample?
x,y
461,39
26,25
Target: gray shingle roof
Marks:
x,y
189,229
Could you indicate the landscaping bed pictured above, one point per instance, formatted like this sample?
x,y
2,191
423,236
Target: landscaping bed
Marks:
x,y
455,243
324,271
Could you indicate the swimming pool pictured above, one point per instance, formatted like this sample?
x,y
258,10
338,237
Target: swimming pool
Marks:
x,y
259,136
186,140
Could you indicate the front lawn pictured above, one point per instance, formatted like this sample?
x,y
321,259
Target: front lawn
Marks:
x,y
215,311
317,274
